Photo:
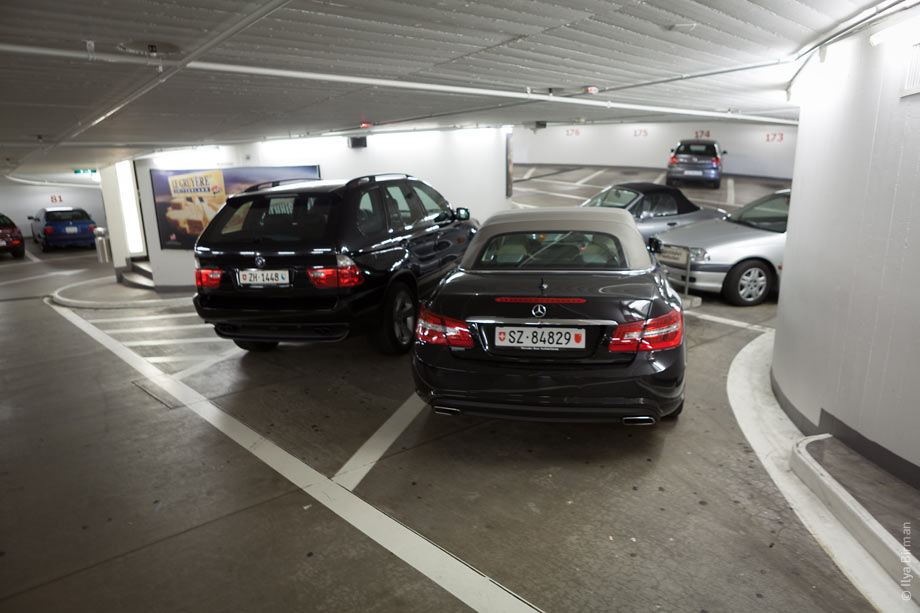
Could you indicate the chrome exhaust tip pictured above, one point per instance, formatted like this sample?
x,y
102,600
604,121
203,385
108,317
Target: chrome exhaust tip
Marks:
x,y
446,411
638,420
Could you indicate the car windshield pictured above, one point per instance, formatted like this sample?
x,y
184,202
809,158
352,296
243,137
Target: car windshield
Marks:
x,y
696,149
6,221
617,197
569,250
74,215
280,219
768,213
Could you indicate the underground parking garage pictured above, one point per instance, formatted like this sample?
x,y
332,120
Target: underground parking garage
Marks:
x,y
186,428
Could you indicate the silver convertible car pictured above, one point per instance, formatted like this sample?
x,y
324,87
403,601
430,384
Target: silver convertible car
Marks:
x,y
655,208
740,256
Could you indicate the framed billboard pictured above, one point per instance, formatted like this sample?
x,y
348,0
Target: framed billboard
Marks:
x,y
186,200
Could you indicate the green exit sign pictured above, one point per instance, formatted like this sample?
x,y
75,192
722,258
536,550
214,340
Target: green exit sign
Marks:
x,y
84,171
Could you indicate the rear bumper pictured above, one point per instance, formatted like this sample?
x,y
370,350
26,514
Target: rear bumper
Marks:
x,y
281,325
695,174
703,280
652,385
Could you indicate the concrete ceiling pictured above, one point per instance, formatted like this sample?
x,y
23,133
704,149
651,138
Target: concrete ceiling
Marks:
x,y
237,71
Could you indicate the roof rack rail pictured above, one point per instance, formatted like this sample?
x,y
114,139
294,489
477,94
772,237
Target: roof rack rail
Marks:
x,y
377,177
276,183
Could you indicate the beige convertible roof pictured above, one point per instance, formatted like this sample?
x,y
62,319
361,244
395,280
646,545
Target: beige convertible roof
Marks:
x,y
617,222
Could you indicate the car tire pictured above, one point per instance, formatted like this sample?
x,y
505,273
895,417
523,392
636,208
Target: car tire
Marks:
x,y
396,332
19,253
256,345
673,414
669,181
45,246
748,283
717,184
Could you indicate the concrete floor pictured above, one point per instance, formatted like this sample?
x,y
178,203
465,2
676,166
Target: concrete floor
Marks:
x,y
114,496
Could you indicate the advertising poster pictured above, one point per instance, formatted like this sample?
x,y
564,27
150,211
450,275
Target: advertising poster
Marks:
x,y
186,200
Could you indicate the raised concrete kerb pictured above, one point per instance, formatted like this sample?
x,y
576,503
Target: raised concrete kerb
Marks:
x,y
879,542
58,298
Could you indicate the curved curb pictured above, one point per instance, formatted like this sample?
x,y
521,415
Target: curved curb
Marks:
x,y
74,303
772,436
862,525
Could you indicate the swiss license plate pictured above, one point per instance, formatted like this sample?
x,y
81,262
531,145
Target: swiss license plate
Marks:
x,y
673,255
693,173
71,229
540,337
264,277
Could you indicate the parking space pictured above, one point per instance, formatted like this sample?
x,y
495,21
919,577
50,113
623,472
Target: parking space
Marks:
x,y
677,517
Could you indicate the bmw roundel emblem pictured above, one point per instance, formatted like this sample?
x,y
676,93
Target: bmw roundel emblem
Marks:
x,y
260,261
538,310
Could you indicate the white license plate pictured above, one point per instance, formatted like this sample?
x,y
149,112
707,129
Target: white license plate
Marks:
x,y
540,337
673,255
2,243
71,229
264,277
694,173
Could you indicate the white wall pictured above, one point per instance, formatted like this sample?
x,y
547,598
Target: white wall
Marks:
x,y
19,201
466,166
753,149
848,332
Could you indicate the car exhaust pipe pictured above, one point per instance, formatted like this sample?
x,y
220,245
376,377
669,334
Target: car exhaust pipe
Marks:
x,y
639,420
446,411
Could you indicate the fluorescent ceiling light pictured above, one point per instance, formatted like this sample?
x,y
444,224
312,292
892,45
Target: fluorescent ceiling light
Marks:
x,y
903,33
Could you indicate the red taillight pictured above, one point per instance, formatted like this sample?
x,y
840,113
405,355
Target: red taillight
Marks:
x,y
716,161
208,277
48,230
663,332
346,274
92,227
16,241
673,160
521,300
440,330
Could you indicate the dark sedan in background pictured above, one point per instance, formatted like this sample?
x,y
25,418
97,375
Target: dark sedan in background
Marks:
x,y
554,314
656,208
11,238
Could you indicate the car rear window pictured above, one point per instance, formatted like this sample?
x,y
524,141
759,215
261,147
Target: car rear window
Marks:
x,y
74,215
616,197
6,221
694,149
280,219
563,250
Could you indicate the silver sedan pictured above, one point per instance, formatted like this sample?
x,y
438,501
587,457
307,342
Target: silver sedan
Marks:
x,y
740,256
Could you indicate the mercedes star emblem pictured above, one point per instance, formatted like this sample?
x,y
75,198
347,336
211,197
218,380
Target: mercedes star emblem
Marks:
x,y
538,310
260,261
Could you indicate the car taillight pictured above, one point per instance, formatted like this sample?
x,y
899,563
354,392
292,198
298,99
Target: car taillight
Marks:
x,y
663,332
345,274
16,241
673,160
716,161
440,330
208,277
92,227
48,230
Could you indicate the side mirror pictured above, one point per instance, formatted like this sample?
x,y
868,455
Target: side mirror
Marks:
x,y
31,218
724,152
654,244
462,214
672,150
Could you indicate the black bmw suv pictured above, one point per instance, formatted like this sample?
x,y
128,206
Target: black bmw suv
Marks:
x,y
318,260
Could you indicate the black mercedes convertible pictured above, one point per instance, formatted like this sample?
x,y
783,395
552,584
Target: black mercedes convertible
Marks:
x,y
554,314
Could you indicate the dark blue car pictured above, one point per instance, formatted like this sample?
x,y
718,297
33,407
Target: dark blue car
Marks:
x,y
63,227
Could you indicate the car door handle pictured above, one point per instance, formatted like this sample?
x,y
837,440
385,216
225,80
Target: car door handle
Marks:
x,y
672,223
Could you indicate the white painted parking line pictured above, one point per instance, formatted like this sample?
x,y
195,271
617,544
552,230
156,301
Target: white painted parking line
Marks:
x,y
176,341
59,273
166,359
530,172
729,322
34,258
569,183
465,582
771,435
157,329
207,363
540,191
106,320
590,176
659,179
730,191
350,475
